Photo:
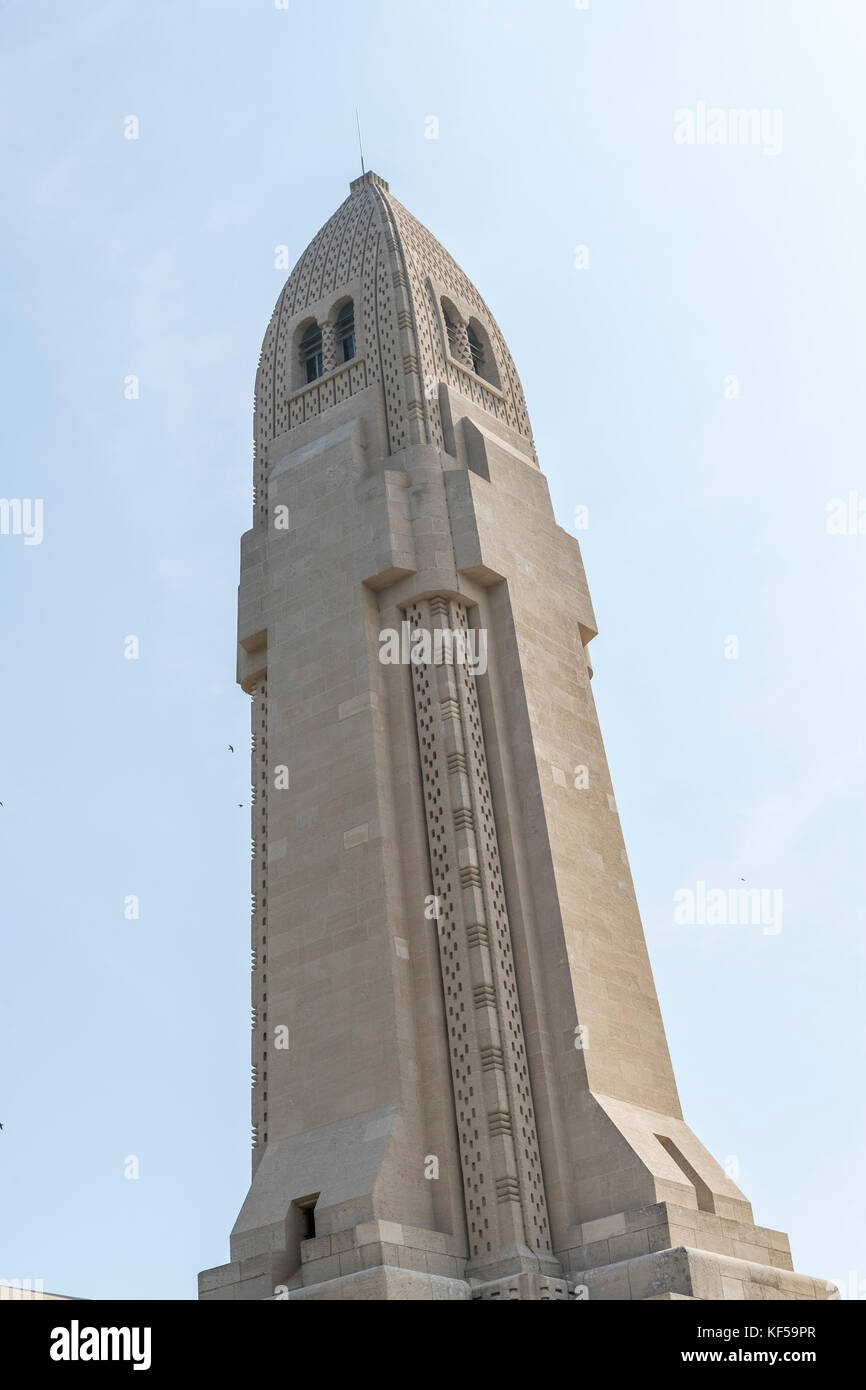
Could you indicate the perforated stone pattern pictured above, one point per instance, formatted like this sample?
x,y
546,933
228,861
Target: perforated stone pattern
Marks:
x,y
373,238
428,260
502,1180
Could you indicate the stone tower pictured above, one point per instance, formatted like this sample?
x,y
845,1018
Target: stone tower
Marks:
x,y
461,1082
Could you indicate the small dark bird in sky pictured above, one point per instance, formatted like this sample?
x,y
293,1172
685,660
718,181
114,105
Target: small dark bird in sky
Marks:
x,y
231,750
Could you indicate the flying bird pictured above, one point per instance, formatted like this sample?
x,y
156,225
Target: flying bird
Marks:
x,y
231,750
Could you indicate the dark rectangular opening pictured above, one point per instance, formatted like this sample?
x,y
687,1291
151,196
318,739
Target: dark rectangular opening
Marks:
x,y
307,1213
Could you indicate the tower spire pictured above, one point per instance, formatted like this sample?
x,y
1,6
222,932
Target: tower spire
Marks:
x,y
360,141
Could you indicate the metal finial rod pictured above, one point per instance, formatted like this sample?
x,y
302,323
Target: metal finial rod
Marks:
x,y
360,141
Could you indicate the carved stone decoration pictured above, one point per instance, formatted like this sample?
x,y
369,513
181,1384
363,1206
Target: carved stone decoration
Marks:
x,y
502,1179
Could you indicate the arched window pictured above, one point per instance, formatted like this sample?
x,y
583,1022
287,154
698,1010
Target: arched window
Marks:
x,y
346,332
483,356
311,353
450,329
476,347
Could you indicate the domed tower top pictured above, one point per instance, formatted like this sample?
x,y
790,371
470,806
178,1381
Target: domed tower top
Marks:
x,y
376,301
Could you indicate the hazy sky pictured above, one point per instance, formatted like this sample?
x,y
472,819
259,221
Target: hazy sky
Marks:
x,y
707,501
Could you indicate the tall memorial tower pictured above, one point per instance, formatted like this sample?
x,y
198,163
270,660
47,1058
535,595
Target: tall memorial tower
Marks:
x,y
461,1082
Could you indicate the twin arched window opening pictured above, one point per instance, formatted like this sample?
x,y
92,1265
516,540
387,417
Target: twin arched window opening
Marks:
x,y
312,347
322,351
468,345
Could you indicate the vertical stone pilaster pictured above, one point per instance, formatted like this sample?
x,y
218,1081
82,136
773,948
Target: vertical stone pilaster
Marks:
x,y
502,1180
259,916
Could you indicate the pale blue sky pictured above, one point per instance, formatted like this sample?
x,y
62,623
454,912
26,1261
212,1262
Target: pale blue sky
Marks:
x,y
707,520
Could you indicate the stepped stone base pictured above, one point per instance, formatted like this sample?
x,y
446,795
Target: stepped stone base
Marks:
x,y
538,1288
657,1252
698,1274
384,1284
664,1275
387,1282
